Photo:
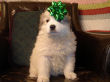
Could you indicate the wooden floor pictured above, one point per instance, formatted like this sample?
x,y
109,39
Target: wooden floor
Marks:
x,y
20,74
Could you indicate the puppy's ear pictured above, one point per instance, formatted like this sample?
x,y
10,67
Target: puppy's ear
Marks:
x,y
42,16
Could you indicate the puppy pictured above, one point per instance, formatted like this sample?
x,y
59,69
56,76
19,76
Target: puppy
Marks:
x,y
54,51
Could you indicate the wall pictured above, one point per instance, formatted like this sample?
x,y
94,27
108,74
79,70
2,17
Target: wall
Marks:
x,y
70,1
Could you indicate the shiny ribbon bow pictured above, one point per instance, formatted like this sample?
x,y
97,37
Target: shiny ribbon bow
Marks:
x,y
58,10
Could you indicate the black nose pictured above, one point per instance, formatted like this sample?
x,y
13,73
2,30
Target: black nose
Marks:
x,y
52,27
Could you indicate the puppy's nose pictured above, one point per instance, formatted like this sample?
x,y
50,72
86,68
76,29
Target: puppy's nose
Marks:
x,y
52,27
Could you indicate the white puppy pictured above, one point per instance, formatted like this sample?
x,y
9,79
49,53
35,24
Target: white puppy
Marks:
x,y
54,51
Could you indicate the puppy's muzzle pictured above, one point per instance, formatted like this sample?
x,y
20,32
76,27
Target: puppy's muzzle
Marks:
x,y
52,27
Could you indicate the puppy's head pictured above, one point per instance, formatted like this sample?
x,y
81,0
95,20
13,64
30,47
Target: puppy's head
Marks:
x,y
48,25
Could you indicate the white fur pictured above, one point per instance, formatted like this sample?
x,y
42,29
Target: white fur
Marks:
x,y
54,52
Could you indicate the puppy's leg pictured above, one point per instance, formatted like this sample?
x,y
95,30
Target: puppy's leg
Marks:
x,y
69,68
32,72
33,68
43,69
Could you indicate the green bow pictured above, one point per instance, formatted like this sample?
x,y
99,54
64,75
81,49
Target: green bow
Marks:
x,y
58,10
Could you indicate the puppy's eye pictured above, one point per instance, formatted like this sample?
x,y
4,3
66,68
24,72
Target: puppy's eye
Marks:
x,y
47,20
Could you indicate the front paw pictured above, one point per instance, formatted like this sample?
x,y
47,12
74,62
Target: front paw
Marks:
x,y
70,76
32,76
43,79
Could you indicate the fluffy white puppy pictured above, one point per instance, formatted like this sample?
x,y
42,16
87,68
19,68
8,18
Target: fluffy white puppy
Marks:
x,y
54,51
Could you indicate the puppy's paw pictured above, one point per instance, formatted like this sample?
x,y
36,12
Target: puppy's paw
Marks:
x,y
70,76
43,79
32,76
